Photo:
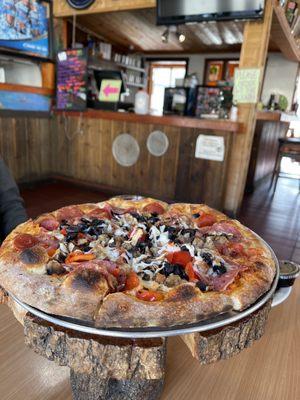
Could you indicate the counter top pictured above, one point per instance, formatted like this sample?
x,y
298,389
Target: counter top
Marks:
x,y
272,116
170,120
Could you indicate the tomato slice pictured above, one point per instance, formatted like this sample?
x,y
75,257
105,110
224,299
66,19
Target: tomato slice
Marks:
x,y
63,231
149,295
154,208
25,241
179,257
205,220
79,257
132,281
189,270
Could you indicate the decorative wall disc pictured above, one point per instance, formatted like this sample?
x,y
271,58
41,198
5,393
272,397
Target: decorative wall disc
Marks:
x,y
80,4
157,143
126,150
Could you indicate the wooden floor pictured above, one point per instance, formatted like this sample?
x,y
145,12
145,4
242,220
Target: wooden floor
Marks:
x,y
276,218
269,370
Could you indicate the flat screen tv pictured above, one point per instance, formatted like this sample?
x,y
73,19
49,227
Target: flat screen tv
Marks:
x,y
25,27
176,12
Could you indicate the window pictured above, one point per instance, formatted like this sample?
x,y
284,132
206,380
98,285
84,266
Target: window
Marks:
x,y
164,74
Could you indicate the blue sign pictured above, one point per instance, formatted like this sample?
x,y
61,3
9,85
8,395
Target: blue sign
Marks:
x,y
24,26
19,101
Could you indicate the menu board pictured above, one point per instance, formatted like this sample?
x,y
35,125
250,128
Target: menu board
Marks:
x,y
24,26
71,90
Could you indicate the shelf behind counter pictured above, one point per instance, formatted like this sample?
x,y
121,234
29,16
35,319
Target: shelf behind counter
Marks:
x,y
165,120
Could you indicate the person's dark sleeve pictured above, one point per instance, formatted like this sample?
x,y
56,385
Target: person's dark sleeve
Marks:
x,y
12,211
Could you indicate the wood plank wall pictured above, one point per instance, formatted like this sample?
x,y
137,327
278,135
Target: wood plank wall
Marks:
x,y
35,148
25,146
177,175
264,151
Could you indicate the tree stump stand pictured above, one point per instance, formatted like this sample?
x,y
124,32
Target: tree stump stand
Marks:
x,y
106,368
101,368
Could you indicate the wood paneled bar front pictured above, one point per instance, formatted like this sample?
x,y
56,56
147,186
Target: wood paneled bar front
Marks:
x,y
175,176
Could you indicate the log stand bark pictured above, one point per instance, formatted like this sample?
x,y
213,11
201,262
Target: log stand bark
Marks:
x,y
105,368
223,343
101,368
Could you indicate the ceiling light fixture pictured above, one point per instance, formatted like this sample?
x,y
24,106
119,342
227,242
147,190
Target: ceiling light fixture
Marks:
x,y
180,36
165,36
172,29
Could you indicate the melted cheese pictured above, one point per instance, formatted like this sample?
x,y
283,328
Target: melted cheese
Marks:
x,y
158,236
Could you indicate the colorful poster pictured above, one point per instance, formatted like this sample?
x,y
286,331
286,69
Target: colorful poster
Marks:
x,y
24,26
72,79
110,90
19,101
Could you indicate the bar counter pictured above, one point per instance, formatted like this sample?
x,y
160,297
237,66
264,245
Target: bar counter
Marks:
x,y
165,120
269,128
176,175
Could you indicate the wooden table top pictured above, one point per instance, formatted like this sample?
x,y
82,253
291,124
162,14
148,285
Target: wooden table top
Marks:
x,y
268,370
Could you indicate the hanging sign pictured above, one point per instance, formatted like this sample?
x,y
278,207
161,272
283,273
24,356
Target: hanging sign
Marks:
x,y
209,147
246,85
110,90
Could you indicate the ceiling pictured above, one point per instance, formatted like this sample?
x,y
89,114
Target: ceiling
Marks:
x,y
137,30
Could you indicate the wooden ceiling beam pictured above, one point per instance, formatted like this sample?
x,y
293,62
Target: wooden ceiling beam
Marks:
x,y
62,9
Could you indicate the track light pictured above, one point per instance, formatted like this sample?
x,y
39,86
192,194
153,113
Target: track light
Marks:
x,y
165,36
180,36
173,30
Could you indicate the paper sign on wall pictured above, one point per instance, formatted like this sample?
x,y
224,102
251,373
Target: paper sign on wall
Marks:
x,y
210,147
246,85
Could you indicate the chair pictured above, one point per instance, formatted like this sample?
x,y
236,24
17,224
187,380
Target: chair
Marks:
x,y
287,147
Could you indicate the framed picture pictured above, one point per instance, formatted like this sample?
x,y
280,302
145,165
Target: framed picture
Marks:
x,y
213,72
25,27
219,71
229,70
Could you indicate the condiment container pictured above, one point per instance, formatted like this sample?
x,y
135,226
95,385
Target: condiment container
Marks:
x,y
288,272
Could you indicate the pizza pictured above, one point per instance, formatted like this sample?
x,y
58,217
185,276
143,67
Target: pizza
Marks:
x,y
136,262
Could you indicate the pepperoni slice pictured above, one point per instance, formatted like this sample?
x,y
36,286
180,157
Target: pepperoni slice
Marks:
x,y
25,241
205,220
69,212
154,208
50,224
99,213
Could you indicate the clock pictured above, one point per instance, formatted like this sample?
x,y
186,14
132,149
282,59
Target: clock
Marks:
x,y
80,4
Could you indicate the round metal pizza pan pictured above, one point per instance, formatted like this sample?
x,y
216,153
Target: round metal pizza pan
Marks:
x,y
217,321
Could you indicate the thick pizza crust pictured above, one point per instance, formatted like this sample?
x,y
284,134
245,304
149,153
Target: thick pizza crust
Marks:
x,y
86,297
